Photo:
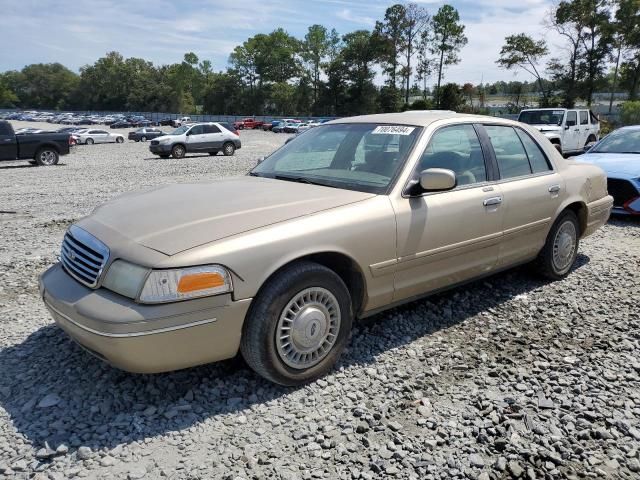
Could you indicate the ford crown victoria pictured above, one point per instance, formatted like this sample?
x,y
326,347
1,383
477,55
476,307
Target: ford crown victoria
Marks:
x,y
353,217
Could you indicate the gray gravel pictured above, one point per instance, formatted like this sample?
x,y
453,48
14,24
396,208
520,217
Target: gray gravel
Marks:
x,y
510,377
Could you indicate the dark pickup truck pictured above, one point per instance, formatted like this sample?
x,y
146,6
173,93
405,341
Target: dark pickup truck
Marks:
x,y
39,148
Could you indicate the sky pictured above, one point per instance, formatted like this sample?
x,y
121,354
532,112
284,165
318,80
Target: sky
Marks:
x,y
77,32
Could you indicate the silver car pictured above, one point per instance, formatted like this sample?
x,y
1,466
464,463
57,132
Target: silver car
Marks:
x,y
91,136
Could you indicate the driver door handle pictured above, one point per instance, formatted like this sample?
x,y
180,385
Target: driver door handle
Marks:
x,y
492,201
554,188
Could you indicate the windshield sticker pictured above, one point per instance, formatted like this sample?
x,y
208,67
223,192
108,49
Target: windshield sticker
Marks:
x,y
392,130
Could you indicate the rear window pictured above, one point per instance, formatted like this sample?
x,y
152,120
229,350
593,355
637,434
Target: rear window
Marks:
x,y
227,125
584,117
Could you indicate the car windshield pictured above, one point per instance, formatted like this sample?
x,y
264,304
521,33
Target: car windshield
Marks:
x,y
620,141
357,156
542,117
181,130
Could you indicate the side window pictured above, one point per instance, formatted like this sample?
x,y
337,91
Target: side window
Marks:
x,y
572,118
456,148
211,129
197,130
594,119
584,117
537,158
512,159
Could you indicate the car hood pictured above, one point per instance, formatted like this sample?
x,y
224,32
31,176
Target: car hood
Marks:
x,y
175,218
623,164
547,128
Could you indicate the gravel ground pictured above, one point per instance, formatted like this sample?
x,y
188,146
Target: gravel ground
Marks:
x,y
510,377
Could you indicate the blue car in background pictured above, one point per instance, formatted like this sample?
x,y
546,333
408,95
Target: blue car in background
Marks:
x,y
618,154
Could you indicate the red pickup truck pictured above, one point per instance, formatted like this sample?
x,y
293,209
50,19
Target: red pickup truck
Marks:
x,y
247,123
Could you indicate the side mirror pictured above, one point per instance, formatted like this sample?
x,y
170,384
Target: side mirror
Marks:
x,y
437,179
260,160
188,133
570,123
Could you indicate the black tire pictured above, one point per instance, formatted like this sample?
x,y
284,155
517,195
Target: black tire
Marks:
x,y
46,156
164,155
213,153
143,139
259,332
89,141
547,263
178,151
228,149
33,162
119,140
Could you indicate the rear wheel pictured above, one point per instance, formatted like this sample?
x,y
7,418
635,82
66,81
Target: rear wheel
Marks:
x,y
561,248
46,156
228,149
143,139
119,140
178,151
298,325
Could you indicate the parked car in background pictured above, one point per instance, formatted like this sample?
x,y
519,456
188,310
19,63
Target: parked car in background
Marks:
x,y
269,125
181,121
144,134
121,124
91,136
618,154
39,148
210,137
293,127
166,121
247,123
569,130
280,128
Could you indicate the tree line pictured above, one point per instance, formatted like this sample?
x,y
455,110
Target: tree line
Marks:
x,y
326,73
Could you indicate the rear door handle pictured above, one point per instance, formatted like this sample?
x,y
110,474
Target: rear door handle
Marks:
x,y
554,188
492,201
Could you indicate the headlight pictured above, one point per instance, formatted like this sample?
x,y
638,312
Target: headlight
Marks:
x,y
125,278
185,283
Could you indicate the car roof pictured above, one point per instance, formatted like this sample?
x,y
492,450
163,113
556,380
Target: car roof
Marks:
x,y
420,118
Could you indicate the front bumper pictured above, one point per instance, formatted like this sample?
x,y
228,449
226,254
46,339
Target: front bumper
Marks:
x,y
144,338
160,149
598,212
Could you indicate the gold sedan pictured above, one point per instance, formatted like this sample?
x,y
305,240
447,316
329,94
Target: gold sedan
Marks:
x,y
350,218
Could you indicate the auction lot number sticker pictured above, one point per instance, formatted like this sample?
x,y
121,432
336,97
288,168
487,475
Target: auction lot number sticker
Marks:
x,y
392,130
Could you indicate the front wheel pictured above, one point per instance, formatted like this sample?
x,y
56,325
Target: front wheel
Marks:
x,y
143,139
298,325
178,151
228,149
89,141
561,248
46,157
119,140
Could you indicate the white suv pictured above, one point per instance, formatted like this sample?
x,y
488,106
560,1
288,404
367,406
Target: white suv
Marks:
x,y
211,138
570,130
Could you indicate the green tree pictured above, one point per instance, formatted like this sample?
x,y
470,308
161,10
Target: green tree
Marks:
x,y
416,24
522,51
8,98
451,97
315,49
628,27
391,33
360,53
630,113
445,39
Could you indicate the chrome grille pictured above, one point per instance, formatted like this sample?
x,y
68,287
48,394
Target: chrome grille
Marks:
x,y
83,256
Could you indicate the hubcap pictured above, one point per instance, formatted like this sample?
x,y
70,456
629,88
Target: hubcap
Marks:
x,y
308,328
564,246
47,157
229,149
